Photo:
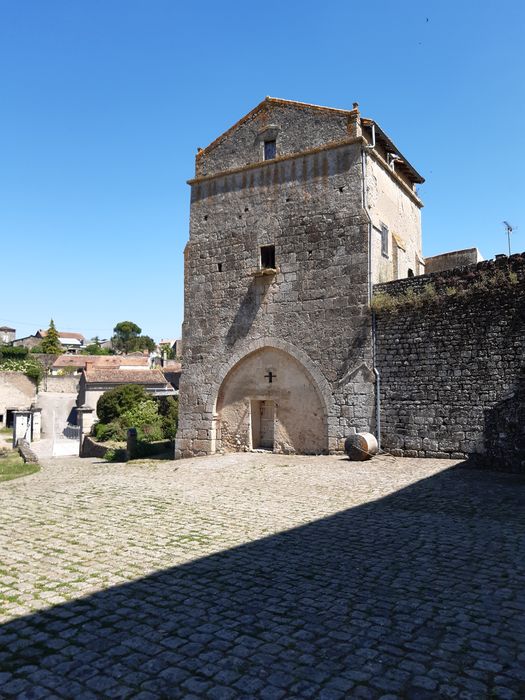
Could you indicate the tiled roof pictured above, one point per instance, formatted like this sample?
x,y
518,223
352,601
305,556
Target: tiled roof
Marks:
x,y
75,336
100,361
123,376
172,366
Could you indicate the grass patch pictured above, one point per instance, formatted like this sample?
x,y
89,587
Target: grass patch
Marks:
x,y
12,466
6,431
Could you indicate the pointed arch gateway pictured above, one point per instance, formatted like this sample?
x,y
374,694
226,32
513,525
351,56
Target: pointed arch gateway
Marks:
x,y
269,398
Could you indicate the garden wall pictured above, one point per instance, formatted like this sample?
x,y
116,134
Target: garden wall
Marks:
x,y
450,349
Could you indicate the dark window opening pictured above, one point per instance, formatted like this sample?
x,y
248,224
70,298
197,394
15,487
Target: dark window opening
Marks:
x,y
270,150
9,418
219,267
246,209
268,257
341,189
206,217
240,216
410,272
384,240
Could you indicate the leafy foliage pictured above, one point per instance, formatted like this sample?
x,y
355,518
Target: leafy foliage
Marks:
x,y
37,349
28,365
168,351
130,406
8,352
95,348
115,402
169,413
127,338
51,343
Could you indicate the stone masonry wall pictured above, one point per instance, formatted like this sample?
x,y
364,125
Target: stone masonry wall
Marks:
x,y
452,366
310,208
294,128
16,391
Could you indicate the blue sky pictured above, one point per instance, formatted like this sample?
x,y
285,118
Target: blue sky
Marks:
x,y
104,103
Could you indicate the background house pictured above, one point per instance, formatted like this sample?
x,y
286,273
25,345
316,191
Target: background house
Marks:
x,y
7,335
77,363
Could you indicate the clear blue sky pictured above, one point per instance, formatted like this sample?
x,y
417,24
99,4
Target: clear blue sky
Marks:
x,y
104,103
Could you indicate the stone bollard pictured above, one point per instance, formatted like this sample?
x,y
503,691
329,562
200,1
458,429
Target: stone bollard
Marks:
x,y
131,444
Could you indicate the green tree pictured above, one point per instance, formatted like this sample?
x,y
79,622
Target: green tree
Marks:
x,y
167,351
125,336
144,342
95,348
51,343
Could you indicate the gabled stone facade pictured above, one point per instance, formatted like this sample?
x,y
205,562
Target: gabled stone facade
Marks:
x,y
279,267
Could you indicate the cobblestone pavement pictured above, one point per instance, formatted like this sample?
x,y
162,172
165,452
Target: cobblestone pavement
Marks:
x,y
263,576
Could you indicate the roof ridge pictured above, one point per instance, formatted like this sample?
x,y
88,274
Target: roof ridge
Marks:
x,y
275,100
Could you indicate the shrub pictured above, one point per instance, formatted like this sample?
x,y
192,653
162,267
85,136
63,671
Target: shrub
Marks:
x,y
27,365
117,454
169,412
8,352
109,431
115,402
145,417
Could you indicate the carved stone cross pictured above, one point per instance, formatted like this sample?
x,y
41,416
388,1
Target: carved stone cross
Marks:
x,y
270,376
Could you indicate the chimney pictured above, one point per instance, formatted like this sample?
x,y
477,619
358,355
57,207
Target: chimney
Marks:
x,y
354,122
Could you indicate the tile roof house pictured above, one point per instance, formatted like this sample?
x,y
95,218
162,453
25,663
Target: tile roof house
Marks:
x,y
7,334
71,342
82,362
96,381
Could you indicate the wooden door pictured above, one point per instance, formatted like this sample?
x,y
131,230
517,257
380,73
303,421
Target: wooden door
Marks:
x,y
267,409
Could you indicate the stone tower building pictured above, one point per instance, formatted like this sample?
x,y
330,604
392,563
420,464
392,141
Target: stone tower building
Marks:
x,y
296,211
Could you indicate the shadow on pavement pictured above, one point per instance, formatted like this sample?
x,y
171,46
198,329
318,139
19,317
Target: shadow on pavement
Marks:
x,y
417,595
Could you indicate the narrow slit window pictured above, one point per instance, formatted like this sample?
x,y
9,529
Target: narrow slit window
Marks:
x,y
384,240
270,150
219,267
268,257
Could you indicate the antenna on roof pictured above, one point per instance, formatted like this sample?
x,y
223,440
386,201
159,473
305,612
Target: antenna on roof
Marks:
x,y
509,229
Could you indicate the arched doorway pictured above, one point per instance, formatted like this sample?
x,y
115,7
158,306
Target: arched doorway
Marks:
x,y
269,400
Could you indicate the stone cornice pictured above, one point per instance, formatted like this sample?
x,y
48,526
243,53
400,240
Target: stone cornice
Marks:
x,y
312,151
279,159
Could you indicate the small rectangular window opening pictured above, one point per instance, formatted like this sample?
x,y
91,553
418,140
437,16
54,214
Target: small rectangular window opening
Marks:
x,y
270,150
219,267
384,240
268,257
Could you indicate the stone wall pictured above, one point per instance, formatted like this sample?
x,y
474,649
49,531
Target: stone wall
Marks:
x,y
294,128
452,363
91,448
310,208
67,384
16,391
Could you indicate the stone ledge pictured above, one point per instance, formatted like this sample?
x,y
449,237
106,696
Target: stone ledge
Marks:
x,y
26,452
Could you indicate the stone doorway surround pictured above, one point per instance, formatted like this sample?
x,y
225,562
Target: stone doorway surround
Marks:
x,y
268,399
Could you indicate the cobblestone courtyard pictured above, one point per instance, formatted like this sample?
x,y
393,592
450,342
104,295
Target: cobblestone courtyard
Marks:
x,y
263,576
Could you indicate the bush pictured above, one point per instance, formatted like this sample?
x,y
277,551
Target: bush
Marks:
x,y
115,402
109,431
117,454
145,417
8,352
27,365
169,412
